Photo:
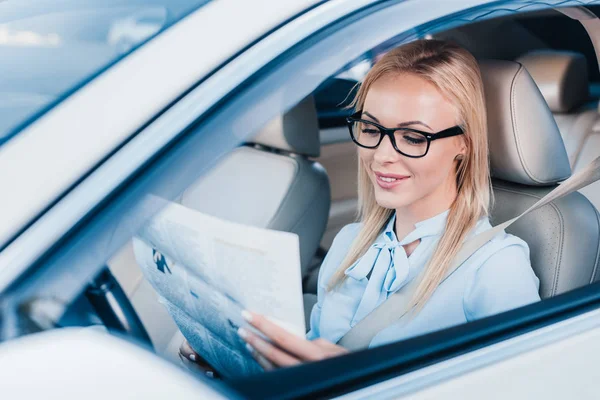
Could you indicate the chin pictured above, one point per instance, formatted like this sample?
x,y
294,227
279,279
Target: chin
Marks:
x,y
391,200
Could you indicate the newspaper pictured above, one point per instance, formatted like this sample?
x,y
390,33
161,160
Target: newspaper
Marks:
x,y
207,270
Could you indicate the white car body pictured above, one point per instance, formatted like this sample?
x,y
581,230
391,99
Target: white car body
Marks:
x,y
63,164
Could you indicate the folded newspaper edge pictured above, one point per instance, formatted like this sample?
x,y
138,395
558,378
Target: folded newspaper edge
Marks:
x,y
206,270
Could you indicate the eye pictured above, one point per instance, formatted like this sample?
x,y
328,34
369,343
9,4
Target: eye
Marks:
x,y
414,139
370,131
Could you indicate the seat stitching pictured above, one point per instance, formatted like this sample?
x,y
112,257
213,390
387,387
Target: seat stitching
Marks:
x,y
561,236
513,112
288,195
562,243
285,198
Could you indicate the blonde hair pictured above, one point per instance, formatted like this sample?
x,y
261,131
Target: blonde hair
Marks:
x,y
455,73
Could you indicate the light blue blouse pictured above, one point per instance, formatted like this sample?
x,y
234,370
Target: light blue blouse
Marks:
x,y
497,278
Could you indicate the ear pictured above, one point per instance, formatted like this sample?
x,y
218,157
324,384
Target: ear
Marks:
x,y
462,146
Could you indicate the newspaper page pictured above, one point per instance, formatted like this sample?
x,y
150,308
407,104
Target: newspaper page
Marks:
x,y
207,270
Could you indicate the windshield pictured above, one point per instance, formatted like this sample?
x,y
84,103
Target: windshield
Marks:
x,y
50,48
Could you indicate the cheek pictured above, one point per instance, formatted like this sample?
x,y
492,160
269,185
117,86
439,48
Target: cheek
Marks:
x,y
432,169
365,156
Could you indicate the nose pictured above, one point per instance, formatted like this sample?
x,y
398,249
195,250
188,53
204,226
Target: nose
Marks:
x,y
385,152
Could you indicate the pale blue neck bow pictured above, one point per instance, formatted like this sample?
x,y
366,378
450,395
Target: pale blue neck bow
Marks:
x,y
388,263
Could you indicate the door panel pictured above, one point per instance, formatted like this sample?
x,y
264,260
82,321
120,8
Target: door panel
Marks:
x,y
563,370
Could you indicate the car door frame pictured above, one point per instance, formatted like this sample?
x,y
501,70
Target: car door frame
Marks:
x,y
157,145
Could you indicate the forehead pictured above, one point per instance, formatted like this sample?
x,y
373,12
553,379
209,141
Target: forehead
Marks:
x,y
398,98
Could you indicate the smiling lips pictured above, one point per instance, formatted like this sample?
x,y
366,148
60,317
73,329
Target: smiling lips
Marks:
x,y
389,181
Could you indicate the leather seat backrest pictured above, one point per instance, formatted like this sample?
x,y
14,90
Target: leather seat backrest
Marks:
x,y
562,77
563,80
528,159
271,182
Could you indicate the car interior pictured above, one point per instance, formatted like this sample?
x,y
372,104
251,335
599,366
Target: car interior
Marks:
x,y
298,174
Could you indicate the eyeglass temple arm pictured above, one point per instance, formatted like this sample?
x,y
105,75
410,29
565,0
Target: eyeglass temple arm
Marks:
x,y
454,131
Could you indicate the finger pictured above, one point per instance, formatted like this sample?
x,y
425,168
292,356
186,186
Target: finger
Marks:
x,y
195,367
270,352
291,343
263,362
330,348
186,350
328,345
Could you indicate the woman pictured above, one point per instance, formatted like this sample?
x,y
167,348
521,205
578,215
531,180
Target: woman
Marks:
x,y
424,188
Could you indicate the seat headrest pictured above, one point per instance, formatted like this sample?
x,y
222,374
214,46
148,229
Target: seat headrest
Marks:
x,y
525,143
296,131
562,77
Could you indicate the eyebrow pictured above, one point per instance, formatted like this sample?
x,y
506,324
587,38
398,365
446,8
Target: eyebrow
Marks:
x,y
400,125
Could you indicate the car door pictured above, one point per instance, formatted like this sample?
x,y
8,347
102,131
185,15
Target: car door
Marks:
x,y
55,254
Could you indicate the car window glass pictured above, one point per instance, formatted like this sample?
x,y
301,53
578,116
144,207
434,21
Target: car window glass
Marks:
x,y
49,49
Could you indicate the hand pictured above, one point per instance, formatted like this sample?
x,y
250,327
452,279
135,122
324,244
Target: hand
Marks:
x,y
194,362
286,349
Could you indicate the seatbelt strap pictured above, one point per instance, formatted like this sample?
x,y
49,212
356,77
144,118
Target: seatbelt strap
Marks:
x,y
397,305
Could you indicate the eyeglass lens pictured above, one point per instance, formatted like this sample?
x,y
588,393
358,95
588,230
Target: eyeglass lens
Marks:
x,y
410,143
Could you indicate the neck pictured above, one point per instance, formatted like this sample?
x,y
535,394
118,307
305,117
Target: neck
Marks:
x,y
427,207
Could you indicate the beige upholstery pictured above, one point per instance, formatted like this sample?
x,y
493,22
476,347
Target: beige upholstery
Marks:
x,y
580,126
563,237
529,157
257,186
296,131
590,150
526,146
575,128
562,77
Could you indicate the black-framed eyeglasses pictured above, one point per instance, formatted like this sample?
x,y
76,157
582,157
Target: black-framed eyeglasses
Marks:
x,y
406,141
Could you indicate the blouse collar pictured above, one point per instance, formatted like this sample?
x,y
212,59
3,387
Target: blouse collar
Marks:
x,y
433,226
387,240
386,265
